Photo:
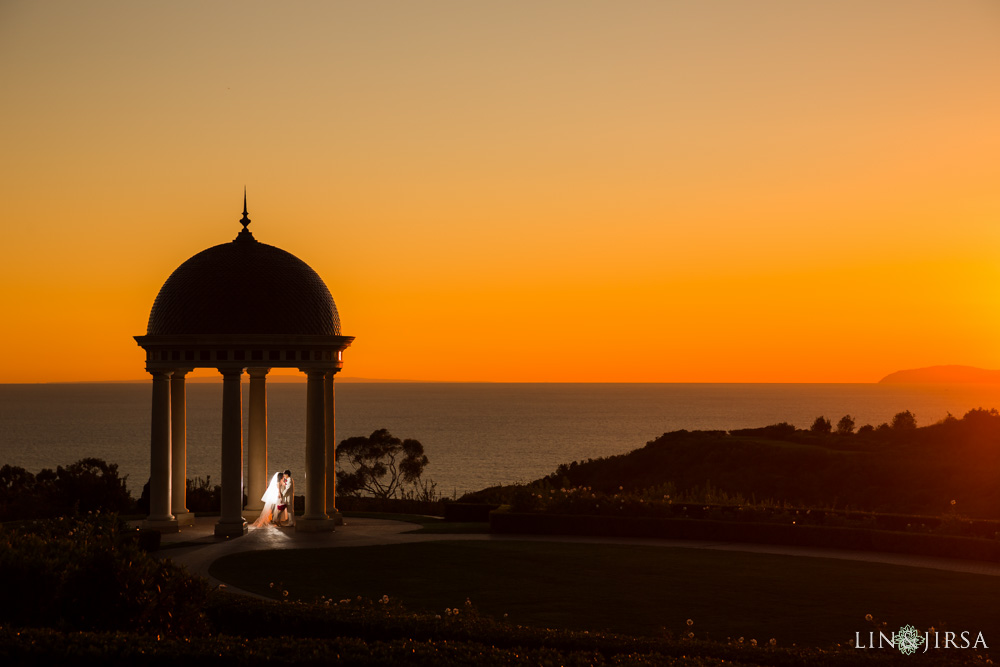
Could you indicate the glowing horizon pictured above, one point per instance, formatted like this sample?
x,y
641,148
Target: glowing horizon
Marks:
x,y
567,192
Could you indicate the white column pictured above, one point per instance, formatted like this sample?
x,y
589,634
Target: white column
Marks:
x,y
178,449
315,518
257,476
231,522
330,413
160,517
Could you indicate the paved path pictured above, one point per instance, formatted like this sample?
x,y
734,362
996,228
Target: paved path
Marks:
x,y
196,547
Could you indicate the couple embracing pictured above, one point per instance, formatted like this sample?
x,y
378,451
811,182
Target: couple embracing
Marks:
x,y
279,502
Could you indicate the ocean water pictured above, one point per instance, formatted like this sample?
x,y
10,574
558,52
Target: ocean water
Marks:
x,y
475,435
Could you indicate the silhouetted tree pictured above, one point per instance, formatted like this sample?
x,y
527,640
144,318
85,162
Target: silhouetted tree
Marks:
x,y
17,492
866,429
904,421
93,484
202,495
382,464
821,425
846,425
979,415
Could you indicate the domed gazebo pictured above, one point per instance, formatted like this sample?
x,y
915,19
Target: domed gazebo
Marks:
x,y
238,306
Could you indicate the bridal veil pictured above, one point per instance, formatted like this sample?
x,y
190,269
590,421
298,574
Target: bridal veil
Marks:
x,y
270,499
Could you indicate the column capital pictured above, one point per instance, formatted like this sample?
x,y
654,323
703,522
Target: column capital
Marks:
x,y
258,372
231,373
314,373
179,373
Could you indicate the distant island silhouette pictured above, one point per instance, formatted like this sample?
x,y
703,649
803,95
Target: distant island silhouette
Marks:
x,y
943,375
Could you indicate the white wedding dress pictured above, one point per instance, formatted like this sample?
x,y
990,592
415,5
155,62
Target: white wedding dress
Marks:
x,y
270,498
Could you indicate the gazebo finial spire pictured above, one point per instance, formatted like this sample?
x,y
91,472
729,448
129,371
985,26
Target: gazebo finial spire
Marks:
x,y
245,234
245,221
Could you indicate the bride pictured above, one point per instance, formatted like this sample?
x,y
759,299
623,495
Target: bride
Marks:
x,y
271,498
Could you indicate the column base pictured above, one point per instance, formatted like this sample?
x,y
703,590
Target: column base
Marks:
x,y
336,517
162,525
304,525
184,518
231,529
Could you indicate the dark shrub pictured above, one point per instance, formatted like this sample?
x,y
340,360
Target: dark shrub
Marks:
x,y
91,574
90,484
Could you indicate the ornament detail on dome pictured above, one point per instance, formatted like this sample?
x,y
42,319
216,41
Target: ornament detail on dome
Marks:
x,y
245,234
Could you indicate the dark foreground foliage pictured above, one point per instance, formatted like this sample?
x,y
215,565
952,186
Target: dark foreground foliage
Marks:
x,y
90,573
100,649
365,632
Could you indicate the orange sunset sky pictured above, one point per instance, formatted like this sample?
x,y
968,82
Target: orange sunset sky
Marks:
x,y
661,191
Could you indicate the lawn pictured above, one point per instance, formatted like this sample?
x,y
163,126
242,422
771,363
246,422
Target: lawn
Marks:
x,y
425,524
634,589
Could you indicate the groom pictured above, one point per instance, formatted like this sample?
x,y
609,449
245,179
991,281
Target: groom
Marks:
x,y
287,498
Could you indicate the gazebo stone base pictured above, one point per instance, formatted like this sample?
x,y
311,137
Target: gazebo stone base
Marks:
x,y
162,525
231,529
185,518
337,518
305,525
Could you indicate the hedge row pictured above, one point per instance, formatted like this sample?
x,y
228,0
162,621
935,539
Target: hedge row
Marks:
x,y
740,531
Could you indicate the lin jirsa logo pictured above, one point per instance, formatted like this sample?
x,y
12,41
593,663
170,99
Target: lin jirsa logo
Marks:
x,y
909,640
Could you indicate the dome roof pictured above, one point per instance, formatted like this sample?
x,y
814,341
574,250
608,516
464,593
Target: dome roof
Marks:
x,y
244,287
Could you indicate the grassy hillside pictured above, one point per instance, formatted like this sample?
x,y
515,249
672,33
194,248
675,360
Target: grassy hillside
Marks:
x,y
905,470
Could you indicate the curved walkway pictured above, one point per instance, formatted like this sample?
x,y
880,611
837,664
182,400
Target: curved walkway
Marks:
x,y
196,547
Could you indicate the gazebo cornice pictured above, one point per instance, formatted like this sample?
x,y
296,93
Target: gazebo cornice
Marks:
x,y
275,340
236,351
